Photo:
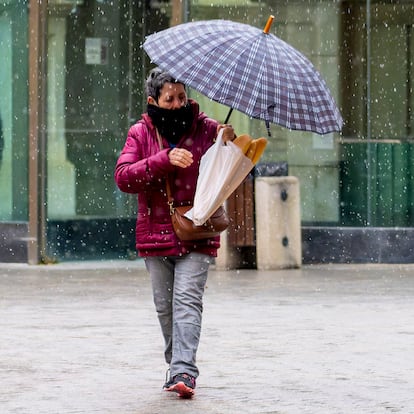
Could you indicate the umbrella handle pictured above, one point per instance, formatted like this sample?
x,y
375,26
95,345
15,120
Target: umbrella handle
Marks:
x,y
268,24
228,116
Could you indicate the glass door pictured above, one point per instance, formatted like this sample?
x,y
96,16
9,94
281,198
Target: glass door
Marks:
x,y
95,72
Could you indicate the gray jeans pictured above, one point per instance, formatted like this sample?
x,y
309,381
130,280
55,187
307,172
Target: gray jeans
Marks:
x,y
178,287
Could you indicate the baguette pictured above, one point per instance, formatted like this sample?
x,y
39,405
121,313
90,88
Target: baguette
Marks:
x,y
252,150
259,149
243,142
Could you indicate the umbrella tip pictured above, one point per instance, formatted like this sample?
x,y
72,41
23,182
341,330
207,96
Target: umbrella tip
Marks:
x,y
268,24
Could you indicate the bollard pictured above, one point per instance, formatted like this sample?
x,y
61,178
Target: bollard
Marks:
x,y
278,227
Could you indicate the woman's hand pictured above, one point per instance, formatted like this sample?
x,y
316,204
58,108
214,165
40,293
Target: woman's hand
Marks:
x,y
180,157
228,132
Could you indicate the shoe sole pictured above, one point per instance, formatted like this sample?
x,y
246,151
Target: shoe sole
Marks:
x,y
181,389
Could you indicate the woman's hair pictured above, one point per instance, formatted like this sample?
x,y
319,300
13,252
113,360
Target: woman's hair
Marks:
x,y
157,78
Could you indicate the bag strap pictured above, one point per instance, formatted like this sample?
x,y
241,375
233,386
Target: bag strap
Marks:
x,y
167,181
169,196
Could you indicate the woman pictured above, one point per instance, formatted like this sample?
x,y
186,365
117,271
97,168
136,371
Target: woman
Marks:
x,y
167,144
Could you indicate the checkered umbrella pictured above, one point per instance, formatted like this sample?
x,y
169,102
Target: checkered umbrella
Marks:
x,y
248,69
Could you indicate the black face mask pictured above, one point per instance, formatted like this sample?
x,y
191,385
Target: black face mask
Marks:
x,y
172,124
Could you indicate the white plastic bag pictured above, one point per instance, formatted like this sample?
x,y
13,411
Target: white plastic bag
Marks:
x,y
222,170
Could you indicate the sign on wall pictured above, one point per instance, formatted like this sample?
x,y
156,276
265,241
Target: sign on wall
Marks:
x,y
96,51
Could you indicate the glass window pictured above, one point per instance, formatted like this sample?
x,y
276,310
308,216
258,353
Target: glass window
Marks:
x,y
89,95
13,111
96,70
377,147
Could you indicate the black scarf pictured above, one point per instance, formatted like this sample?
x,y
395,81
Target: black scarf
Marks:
x,y
172,124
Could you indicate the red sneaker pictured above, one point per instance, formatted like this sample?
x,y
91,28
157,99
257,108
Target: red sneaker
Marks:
x,y
183,385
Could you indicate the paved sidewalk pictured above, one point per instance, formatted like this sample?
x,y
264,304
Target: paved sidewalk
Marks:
x,y
84,338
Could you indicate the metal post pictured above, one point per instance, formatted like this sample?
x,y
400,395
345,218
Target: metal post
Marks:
x,y
179,12
37,131
368,84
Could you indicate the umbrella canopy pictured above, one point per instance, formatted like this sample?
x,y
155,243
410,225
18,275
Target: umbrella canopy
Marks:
x,y
248,69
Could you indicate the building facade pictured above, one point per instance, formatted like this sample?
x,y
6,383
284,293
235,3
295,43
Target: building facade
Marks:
x,y
71,84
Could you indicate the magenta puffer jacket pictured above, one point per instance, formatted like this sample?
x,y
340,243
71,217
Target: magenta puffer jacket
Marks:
x,y
142,169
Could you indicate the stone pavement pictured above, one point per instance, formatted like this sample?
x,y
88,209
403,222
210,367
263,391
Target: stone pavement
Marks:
x,y
84,338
